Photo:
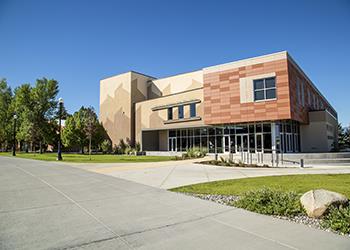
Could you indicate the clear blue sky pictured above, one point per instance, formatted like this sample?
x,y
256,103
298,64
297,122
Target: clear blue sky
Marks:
x,y
80,42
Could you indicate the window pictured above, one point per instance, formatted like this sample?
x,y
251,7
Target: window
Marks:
x,y
265,89
170,113
302,93
193,110
181,111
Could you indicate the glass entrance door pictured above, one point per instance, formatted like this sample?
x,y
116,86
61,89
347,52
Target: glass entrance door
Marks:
x,y
226,144
242,143
172,144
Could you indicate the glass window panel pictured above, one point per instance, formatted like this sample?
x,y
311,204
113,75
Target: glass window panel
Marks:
x,y
193,110
178,132
226,130
251,129
251,143
170,113
178,144
270,93
211,131
172,133
197,141
259,95
267,128
219,145
270,82
204,142
218,131
211,144
190,132
258,84
232,144
197,132
204,131
181,111
258,128
232,130
183,144
267,143
184,132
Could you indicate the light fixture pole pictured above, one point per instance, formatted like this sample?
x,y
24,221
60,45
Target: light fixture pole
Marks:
x,y
14,135
60,105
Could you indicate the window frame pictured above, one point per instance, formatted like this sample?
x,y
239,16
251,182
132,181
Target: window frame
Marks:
x,y
264,89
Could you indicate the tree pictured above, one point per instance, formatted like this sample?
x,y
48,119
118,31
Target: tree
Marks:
x,y
342,140
83,128
91,124
6,113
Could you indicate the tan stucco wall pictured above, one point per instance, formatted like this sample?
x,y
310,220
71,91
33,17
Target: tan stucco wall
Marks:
x,y
179,83
314,136
118,94
146,119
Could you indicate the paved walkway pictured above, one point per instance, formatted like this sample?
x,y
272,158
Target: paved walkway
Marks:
x,y
54,206
179,173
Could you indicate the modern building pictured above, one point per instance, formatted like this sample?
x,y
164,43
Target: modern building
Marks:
x,y
258,104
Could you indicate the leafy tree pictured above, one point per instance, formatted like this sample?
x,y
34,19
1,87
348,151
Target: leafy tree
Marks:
x,y
342,138
106,146
6,113
83,128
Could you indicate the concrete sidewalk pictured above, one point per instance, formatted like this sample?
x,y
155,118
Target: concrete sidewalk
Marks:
x,y
180,173
53,206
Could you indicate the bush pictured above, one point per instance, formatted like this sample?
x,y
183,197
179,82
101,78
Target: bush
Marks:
x,y
138,147
338,219
272,202
194,152
106,146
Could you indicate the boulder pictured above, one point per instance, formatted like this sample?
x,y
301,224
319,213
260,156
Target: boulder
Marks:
x,y
316,202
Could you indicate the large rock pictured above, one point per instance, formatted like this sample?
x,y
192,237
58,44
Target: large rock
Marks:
x,y
317,201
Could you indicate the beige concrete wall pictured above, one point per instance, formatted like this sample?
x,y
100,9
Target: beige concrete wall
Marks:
x,y
178,83
314,136
118,95
146,119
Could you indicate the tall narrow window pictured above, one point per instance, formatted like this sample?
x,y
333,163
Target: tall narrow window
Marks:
x,y
170,113
303,93
265,89
181,111
193,110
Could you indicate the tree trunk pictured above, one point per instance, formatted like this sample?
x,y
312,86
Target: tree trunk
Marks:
x,y
40,147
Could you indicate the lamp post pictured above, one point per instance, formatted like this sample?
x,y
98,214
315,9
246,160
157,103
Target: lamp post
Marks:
x,y
60,105
14,135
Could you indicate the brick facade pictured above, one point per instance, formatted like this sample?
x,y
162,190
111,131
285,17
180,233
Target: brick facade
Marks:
x,y
222,95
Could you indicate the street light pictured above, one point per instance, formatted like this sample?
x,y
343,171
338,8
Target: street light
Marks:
x,y
14,134
60,105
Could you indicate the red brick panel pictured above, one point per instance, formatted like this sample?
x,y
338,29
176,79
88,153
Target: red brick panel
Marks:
x,y
222,95
298,110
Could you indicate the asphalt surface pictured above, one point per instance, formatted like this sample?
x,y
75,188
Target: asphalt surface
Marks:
x,y
47,205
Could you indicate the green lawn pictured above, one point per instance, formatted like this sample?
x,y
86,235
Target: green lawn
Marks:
x,y
94,158
299,183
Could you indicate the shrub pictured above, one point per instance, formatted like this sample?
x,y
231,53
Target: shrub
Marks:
x,y
106,146
128,150
272,202
338,219
194,152
122,146
138,147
